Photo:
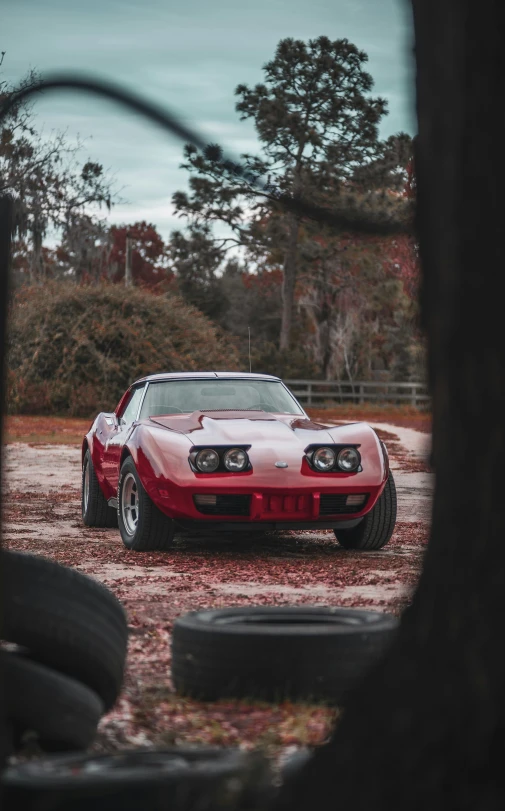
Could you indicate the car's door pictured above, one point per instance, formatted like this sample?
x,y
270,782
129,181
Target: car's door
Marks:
x,y
124,426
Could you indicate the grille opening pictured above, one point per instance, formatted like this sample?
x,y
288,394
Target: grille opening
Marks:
x,y
275,503
225,504
336,504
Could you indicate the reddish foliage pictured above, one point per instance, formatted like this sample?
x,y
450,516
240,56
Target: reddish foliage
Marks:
x,y
148,255
265,282
411,184
401,259
397,256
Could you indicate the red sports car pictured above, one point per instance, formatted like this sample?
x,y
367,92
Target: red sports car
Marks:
x,y
230,451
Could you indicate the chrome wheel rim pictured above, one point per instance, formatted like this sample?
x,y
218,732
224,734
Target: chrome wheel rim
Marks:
x,y
130,504
85,488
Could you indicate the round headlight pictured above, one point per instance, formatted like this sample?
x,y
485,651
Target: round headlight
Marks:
x,y
324,459
348,459
207,461
235,460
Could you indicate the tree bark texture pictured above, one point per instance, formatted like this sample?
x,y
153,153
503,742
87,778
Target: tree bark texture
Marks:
x,y
425,729
128,278
37,262
289,281
6,224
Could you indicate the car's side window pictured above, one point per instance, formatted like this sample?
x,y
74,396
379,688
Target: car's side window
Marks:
x,y
130,412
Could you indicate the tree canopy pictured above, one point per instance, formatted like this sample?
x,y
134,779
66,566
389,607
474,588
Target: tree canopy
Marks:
x,y
317,127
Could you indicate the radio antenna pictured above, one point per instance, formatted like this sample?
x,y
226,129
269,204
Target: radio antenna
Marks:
x,y
250,366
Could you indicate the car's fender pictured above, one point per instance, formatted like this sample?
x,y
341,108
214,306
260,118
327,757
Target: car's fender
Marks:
x,y
158,455
94,441
372,450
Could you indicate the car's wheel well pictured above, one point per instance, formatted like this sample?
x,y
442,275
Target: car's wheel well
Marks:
x,y
124,455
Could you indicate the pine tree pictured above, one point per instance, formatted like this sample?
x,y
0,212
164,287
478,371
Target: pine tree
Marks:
x,y
317,126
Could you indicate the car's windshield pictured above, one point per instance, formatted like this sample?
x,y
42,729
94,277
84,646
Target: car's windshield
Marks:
x,y
185,396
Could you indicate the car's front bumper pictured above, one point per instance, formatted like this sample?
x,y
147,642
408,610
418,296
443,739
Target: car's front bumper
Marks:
x,y
265,526
280,509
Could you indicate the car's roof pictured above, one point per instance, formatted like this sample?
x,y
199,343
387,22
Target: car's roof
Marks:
x,y
205,376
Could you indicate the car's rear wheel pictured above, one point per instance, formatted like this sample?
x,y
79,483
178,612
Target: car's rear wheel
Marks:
x,y
95,509
143,527
376,528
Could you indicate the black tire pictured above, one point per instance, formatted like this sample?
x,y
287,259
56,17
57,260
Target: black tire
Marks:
x,y
178,779
275,653
95,509
66,620
152,529
62,712
376,528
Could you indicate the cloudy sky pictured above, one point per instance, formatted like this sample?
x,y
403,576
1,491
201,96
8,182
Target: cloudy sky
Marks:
x,y
188,56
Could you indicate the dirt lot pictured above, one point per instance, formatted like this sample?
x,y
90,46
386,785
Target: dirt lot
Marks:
x,y
41,492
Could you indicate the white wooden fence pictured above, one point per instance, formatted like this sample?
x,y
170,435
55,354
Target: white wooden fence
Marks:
x,y
323,392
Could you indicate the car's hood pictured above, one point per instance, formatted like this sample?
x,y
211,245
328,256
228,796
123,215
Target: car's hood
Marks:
x,y
248,427
162,444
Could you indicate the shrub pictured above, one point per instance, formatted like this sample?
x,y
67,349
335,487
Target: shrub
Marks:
x,y
73,350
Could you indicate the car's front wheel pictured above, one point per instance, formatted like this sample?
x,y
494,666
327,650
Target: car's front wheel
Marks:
x,y
143,527
376,528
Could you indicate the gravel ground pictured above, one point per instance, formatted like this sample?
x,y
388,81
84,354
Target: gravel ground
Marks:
x,y
41,497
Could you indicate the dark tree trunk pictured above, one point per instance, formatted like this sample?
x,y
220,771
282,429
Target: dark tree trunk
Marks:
x,y
425,729
37,264
324,319
6,222
289,281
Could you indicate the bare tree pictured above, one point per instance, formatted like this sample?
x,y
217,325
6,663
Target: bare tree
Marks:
x,y
43,176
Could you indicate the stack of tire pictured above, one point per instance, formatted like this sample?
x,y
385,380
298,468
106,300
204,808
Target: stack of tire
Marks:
x,y
62,669
64,664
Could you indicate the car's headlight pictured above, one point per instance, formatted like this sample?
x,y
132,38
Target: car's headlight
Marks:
x,y
207,460
324,459
348,459
235,460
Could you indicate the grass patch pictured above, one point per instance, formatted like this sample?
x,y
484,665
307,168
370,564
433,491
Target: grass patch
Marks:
x,y
405,416
45,430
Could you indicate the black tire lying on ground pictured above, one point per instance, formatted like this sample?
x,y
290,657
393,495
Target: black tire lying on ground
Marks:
x,y
95,509
62,712
276,653
176,779
66,620
376,528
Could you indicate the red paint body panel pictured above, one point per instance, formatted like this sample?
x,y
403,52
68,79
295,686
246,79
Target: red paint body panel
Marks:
x,y
160,448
